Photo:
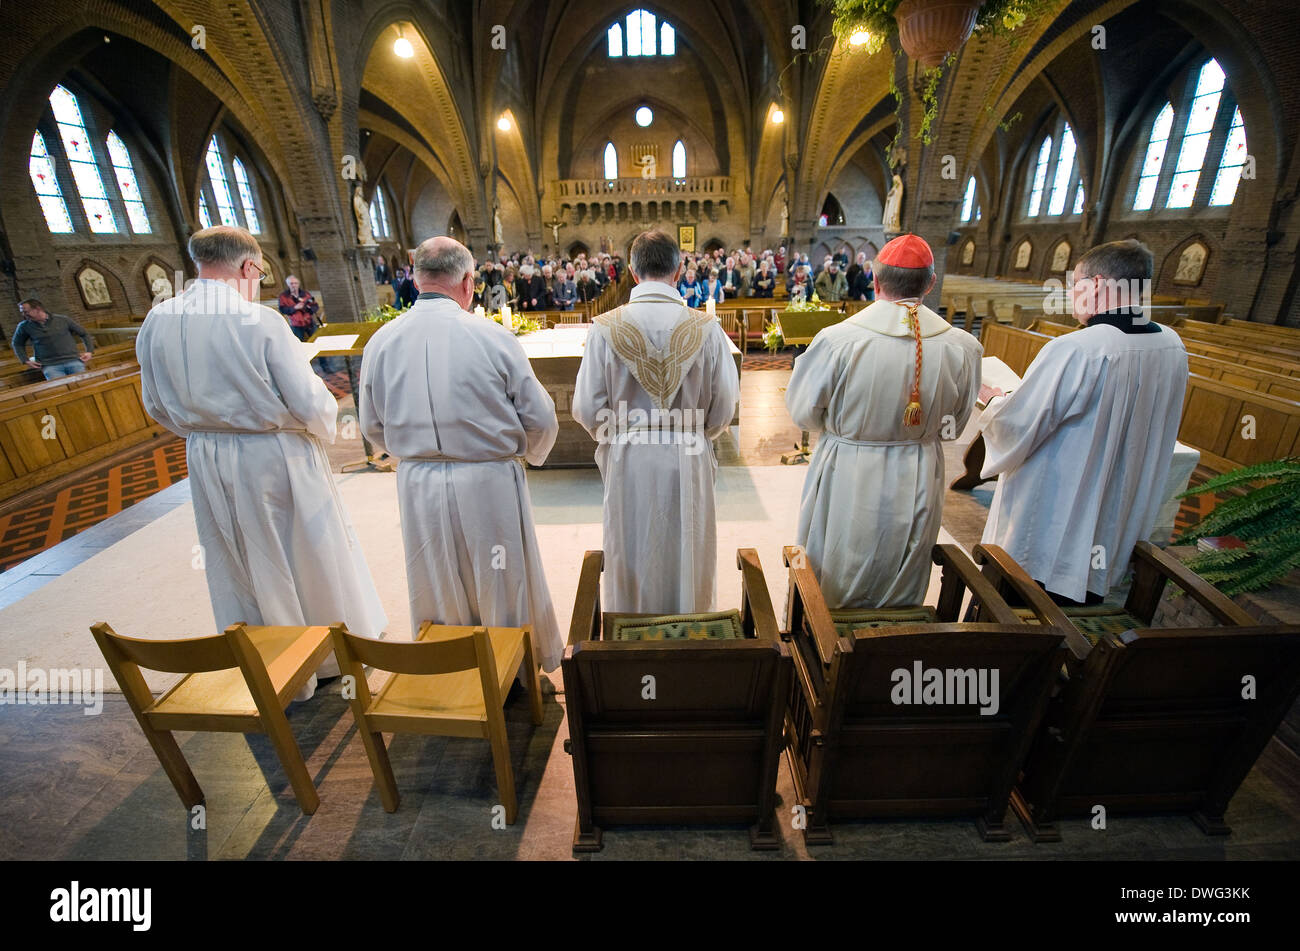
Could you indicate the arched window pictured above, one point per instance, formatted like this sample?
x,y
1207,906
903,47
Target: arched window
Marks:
x,y
1078,200
48,192
246,196
611,161
1040,177
679,160
1196,136
205,217
220,186
645,36
81,158
1155,158
1064,173
1231,163
968,202
379,214
127,184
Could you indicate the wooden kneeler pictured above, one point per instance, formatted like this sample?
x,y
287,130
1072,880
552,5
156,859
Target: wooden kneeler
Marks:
x,y
452,681
236,682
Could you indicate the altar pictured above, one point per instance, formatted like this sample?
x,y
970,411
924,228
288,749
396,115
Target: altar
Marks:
x,y
555,355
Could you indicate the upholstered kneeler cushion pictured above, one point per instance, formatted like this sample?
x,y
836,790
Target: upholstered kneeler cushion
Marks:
x,y
848,621
676,627
1095,620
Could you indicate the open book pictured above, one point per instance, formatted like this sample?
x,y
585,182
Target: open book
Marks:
x,y
993,372
328,342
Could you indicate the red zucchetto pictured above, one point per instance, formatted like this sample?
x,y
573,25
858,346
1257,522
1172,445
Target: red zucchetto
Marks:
x,y
907,250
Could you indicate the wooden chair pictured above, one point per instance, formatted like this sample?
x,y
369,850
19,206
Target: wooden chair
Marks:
x,y
1152,720
856,750
452,681
570,317
675,726
752,325
236,682
733,327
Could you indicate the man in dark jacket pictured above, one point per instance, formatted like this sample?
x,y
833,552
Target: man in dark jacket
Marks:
x,y
54,341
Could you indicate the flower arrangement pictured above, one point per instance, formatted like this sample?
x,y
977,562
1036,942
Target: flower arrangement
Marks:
x,y
523,324
772,338
383,313
1266,519
804,306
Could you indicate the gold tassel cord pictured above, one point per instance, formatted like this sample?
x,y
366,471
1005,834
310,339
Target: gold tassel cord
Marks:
x,y
912,414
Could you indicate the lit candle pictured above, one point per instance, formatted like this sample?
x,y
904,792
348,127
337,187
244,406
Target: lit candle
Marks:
x,y
479,311
505,315
711,307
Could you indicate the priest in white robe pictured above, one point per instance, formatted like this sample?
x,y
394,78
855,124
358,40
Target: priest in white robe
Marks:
x,y
1082,448
226,373
656,386
453,396
884,388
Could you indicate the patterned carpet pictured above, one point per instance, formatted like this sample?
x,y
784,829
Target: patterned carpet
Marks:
x,y
763,360
49,520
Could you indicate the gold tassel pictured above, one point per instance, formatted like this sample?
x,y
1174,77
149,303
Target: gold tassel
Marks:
x,y
912,415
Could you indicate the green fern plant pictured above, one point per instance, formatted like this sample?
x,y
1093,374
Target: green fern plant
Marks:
x,y
1266,518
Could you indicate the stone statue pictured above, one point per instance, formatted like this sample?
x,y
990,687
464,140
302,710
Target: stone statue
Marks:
x,y
364,236
497,233
893,218
785,218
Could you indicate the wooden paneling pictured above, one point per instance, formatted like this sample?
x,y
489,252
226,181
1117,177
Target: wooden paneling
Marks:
x,y
99,416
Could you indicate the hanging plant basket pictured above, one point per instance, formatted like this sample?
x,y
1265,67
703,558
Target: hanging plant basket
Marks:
x,y
931,29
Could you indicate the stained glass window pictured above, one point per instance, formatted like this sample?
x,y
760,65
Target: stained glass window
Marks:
x,y
1231,164
81,159
127,184
47,188
220,186
1064,173
246,196
1155,158
968,202
641,35
1196,136
1040,177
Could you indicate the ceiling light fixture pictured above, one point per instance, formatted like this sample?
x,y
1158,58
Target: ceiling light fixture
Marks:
x,y
777,116
859,37
402,47
504,122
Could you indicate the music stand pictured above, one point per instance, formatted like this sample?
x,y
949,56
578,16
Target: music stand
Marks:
x,y
364,333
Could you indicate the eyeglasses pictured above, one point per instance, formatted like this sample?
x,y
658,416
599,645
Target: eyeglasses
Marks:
x,y
261,271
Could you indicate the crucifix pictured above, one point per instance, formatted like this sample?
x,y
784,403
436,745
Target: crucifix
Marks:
x,y
555,224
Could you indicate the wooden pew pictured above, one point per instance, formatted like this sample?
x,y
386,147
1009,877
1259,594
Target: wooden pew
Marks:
x,y
1235,339
707,748
1154,720
856,752
70,428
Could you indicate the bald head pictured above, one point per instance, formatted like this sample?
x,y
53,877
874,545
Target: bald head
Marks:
x,y
445,266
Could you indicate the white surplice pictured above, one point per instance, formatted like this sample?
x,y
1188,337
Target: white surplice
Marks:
x,y
453,396
1082,450
278,547
873,497
660,531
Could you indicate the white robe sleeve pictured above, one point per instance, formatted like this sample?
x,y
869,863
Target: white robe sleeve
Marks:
x,y
148,389
534,405
371,411
969,384
812,382
591,392
1058,387
303,392
726,387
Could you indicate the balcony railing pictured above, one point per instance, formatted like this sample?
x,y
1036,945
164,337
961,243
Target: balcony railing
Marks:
x,y
600,189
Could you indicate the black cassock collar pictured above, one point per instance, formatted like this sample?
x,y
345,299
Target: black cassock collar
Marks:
x,y
1128,320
